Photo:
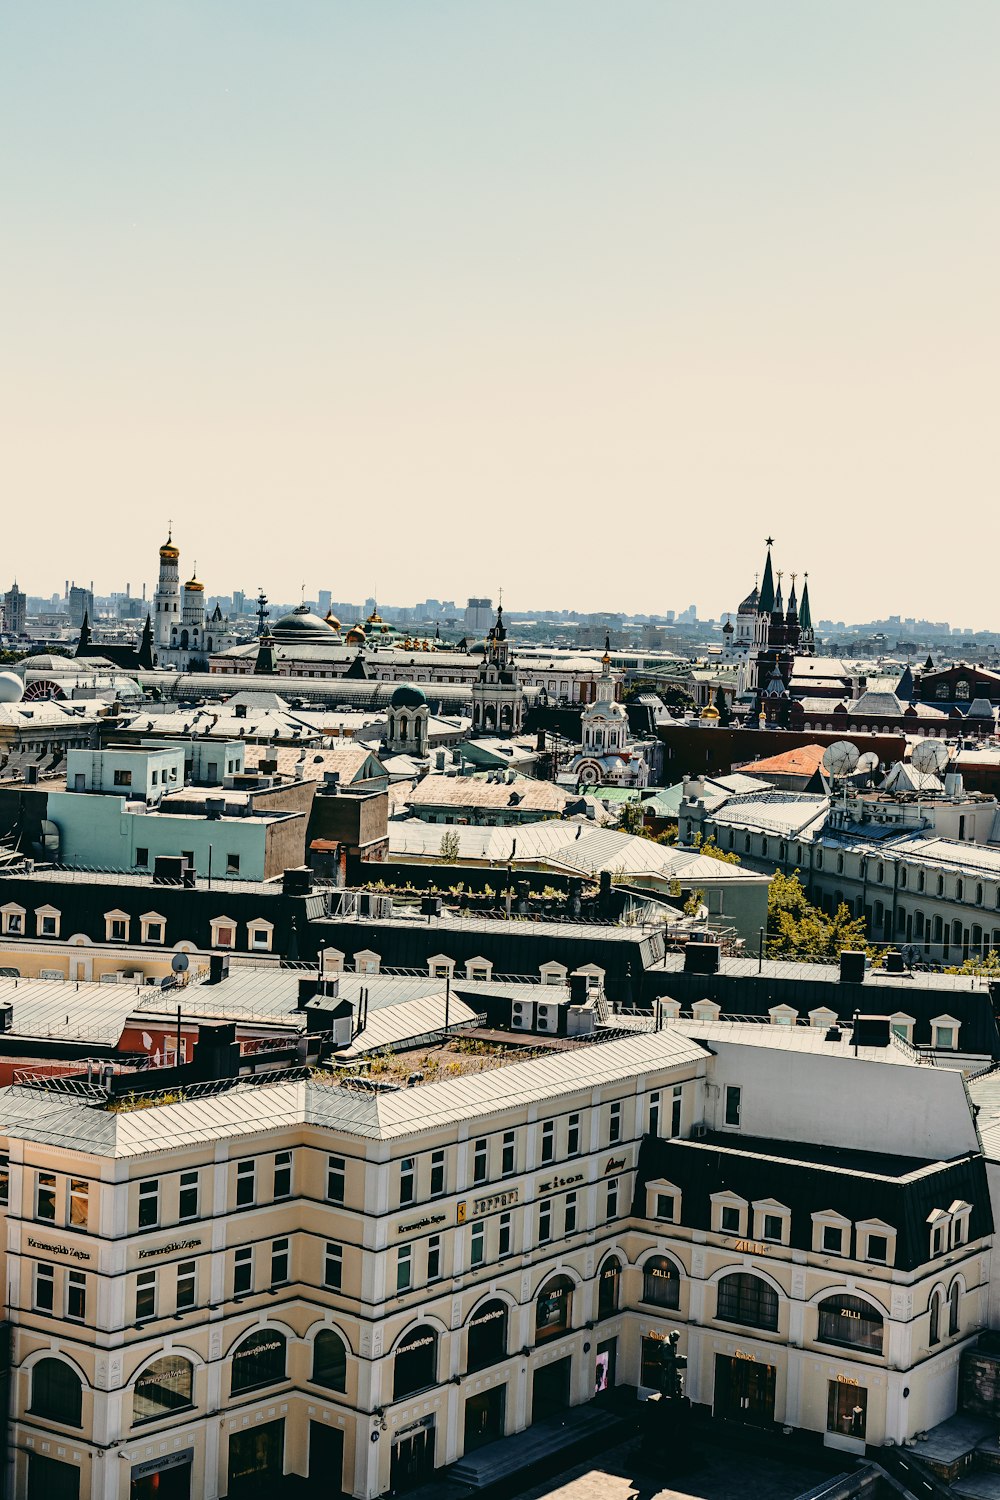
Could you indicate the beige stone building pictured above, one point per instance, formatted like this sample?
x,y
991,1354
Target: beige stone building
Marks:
x,y
361,1287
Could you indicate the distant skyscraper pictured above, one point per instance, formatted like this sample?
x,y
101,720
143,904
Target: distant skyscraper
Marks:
x,y
479,615
239,603
81,602
325,600
15,610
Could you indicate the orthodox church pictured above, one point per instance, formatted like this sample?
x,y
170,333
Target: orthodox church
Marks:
x,y
497,695
183,634
607,757
767,638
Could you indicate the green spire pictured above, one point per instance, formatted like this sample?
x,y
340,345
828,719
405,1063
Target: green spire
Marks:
x,y
765,603
805,614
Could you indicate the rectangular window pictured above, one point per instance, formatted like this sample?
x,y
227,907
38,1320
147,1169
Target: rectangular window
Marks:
x,y
507,1154
434,1257
615,1125
145,1295
336,1174
76,1296
4,1179
478,1254
283,1174
654,1113
733,1104
45,1285
773,1227
246,1183
878,1248
505,1229
279,1262
573,1135
729,1219
119,930
79,1204
407,1180
833,1238
154,932
676,1104
480,1161
188,1198
612,1204
665,1207
45,1200
404,1268
232,864
243,1271
544,1223
333,1266
142,857
187,1281
149,1203
570,1225
437,1173
50,927
847,1409
123,778
548,1141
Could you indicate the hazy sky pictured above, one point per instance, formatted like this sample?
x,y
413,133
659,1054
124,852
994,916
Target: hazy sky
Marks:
x,y
578,298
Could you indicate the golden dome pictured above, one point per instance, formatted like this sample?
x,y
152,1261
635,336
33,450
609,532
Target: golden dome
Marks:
x,y
331,620
194,587
709,712
374,618
168,551
356,636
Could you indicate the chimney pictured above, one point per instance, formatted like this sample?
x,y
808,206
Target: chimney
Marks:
x,y
217,1052
852,967
702,958
579,989
218,967
297,881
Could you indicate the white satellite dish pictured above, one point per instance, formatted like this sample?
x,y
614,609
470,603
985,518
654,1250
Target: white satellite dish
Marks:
x,y
840,758
868,762
929,757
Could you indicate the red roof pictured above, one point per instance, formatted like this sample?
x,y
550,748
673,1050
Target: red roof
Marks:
x,y
803,761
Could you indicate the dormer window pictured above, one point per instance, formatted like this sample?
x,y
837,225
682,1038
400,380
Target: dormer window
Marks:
x,y
944,1030
706,1010
13,919
783,1015
47,921
771,1221
961,1213
876,1242
831,1233
940,1231
823,1017
902,1026
663,1202
116,926
729,1214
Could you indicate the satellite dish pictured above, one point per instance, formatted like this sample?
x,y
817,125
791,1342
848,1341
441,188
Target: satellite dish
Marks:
x,y
868,762
929,757
180,963
840,758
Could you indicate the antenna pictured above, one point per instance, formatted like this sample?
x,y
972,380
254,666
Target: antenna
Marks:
x,y
840,758
930,757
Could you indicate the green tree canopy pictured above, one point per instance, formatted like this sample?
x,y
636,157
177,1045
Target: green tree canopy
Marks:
x,y
797,929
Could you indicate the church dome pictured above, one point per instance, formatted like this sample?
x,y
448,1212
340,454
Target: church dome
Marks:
x,y
750,603
356,636
605,709
194,587
331,619
168,551
302,625
479,649
407,696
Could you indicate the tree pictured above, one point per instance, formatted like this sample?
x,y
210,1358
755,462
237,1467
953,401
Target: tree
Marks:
x,y
631,820
711,850
797,929
722,707
450,848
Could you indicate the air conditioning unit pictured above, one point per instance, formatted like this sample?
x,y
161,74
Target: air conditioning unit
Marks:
x,y
699,1131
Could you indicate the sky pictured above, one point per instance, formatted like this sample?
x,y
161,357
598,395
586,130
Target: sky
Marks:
x,y
434,297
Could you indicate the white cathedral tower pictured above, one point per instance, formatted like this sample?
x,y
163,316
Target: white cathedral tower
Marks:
x,y
168,593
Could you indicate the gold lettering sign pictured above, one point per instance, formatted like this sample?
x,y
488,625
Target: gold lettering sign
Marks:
x,y
847,1380
751,1247
745,1354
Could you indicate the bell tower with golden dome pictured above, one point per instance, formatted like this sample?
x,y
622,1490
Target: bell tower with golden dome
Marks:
x,y
167,600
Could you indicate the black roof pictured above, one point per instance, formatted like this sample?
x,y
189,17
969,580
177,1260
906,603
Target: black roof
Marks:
x,y
807,1178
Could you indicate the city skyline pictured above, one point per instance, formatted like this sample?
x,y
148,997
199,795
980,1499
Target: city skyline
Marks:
x,y
577,289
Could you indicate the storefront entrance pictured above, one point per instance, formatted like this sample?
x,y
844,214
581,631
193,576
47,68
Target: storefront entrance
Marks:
x,y
550,1388
48,1479
256,1460
744,1390
412,1456
166,1478
484,1417
326,1459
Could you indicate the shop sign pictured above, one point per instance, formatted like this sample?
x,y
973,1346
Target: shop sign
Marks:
x,y
70,1250
750,1247
848,1380
267,1348
168,1248
616,1164
745,1354
553,1184
165,1461
495,1200
426,1222
488,1317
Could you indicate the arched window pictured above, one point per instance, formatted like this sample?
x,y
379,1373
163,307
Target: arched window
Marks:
x,y
954,1297
487,1334
554,1308
661,1282
415,1364
852,1322
934,1331
258,1360
744,1298
56,1392
162,1387
609,1282
329,1360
